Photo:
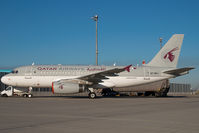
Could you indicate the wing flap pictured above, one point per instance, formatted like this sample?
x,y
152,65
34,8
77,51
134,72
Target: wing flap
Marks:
x,y
98,77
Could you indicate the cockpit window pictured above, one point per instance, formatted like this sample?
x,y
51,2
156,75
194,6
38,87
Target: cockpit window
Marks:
x,y
15,71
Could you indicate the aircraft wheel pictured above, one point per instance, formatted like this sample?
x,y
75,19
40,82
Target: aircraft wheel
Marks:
x,y
92,95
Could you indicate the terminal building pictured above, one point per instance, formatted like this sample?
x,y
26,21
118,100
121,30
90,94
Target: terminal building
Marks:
x,y
175,88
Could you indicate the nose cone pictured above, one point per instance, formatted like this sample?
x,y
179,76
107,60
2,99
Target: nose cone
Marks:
x,y
5,80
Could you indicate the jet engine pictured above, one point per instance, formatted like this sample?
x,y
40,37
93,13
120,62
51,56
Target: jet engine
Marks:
x,y
67,87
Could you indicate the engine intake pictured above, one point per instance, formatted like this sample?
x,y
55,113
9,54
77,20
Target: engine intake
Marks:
x,y
67,87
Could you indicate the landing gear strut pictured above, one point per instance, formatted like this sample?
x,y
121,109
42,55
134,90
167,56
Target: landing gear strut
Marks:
x,y
92,94
162,93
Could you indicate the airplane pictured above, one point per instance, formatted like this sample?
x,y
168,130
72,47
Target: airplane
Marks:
x,y
76,79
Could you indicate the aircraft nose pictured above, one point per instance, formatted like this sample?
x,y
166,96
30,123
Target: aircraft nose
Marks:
x,y
5,79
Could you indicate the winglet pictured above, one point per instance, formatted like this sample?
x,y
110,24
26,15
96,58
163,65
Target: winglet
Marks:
x,y
127,68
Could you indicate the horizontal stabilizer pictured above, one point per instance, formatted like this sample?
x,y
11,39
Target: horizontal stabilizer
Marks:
x,y
179,71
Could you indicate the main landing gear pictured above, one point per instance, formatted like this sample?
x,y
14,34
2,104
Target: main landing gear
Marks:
x,y
109,92
91,94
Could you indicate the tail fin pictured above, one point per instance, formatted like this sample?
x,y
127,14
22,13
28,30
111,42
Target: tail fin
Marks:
x,y
169,54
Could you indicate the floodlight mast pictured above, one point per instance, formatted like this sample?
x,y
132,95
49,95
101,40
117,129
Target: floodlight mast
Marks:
x,y
95,18
161,42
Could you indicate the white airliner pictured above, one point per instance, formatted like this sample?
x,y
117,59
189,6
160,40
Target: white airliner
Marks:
x,y
75,79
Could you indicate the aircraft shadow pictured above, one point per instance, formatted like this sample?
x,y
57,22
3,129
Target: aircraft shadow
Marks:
x,y
111,97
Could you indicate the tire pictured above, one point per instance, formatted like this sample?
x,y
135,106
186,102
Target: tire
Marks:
x,y
25,95
158,94
92,95
4,95
147,93
30,96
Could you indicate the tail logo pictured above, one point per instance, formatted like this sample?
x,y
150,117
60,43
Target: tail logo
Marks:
x,y
170,54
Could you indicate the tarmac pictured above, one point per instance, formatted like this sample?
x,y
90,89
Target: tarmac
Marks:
x,y
174,114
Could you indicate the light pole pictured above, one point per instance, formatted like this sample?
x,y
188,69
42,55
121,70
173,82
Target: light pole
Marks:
x,y
95,18
161,42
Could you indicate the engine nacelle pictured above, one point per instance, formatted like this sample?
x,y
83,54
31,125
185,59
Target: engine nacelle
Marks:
x,y
67,87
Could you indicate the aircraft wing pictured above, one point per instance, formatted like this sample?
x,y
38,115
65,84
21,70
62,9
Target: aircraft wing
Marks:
x,y
179,71
98,77
95,78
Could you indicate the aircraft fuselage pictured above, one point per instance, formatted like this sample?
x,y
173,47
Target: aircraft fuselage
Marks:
x,y
43,76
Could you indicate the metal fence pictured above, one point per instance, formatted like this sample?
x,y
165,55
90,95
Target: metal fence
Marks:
x,y
180,88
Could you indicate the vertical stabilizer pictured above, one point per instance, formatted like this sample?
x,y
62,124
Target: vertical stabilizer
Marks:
x,y
169,54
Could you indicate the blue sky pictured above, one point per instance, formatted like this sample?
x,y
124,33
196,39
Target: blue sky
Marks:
x,y
62,32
